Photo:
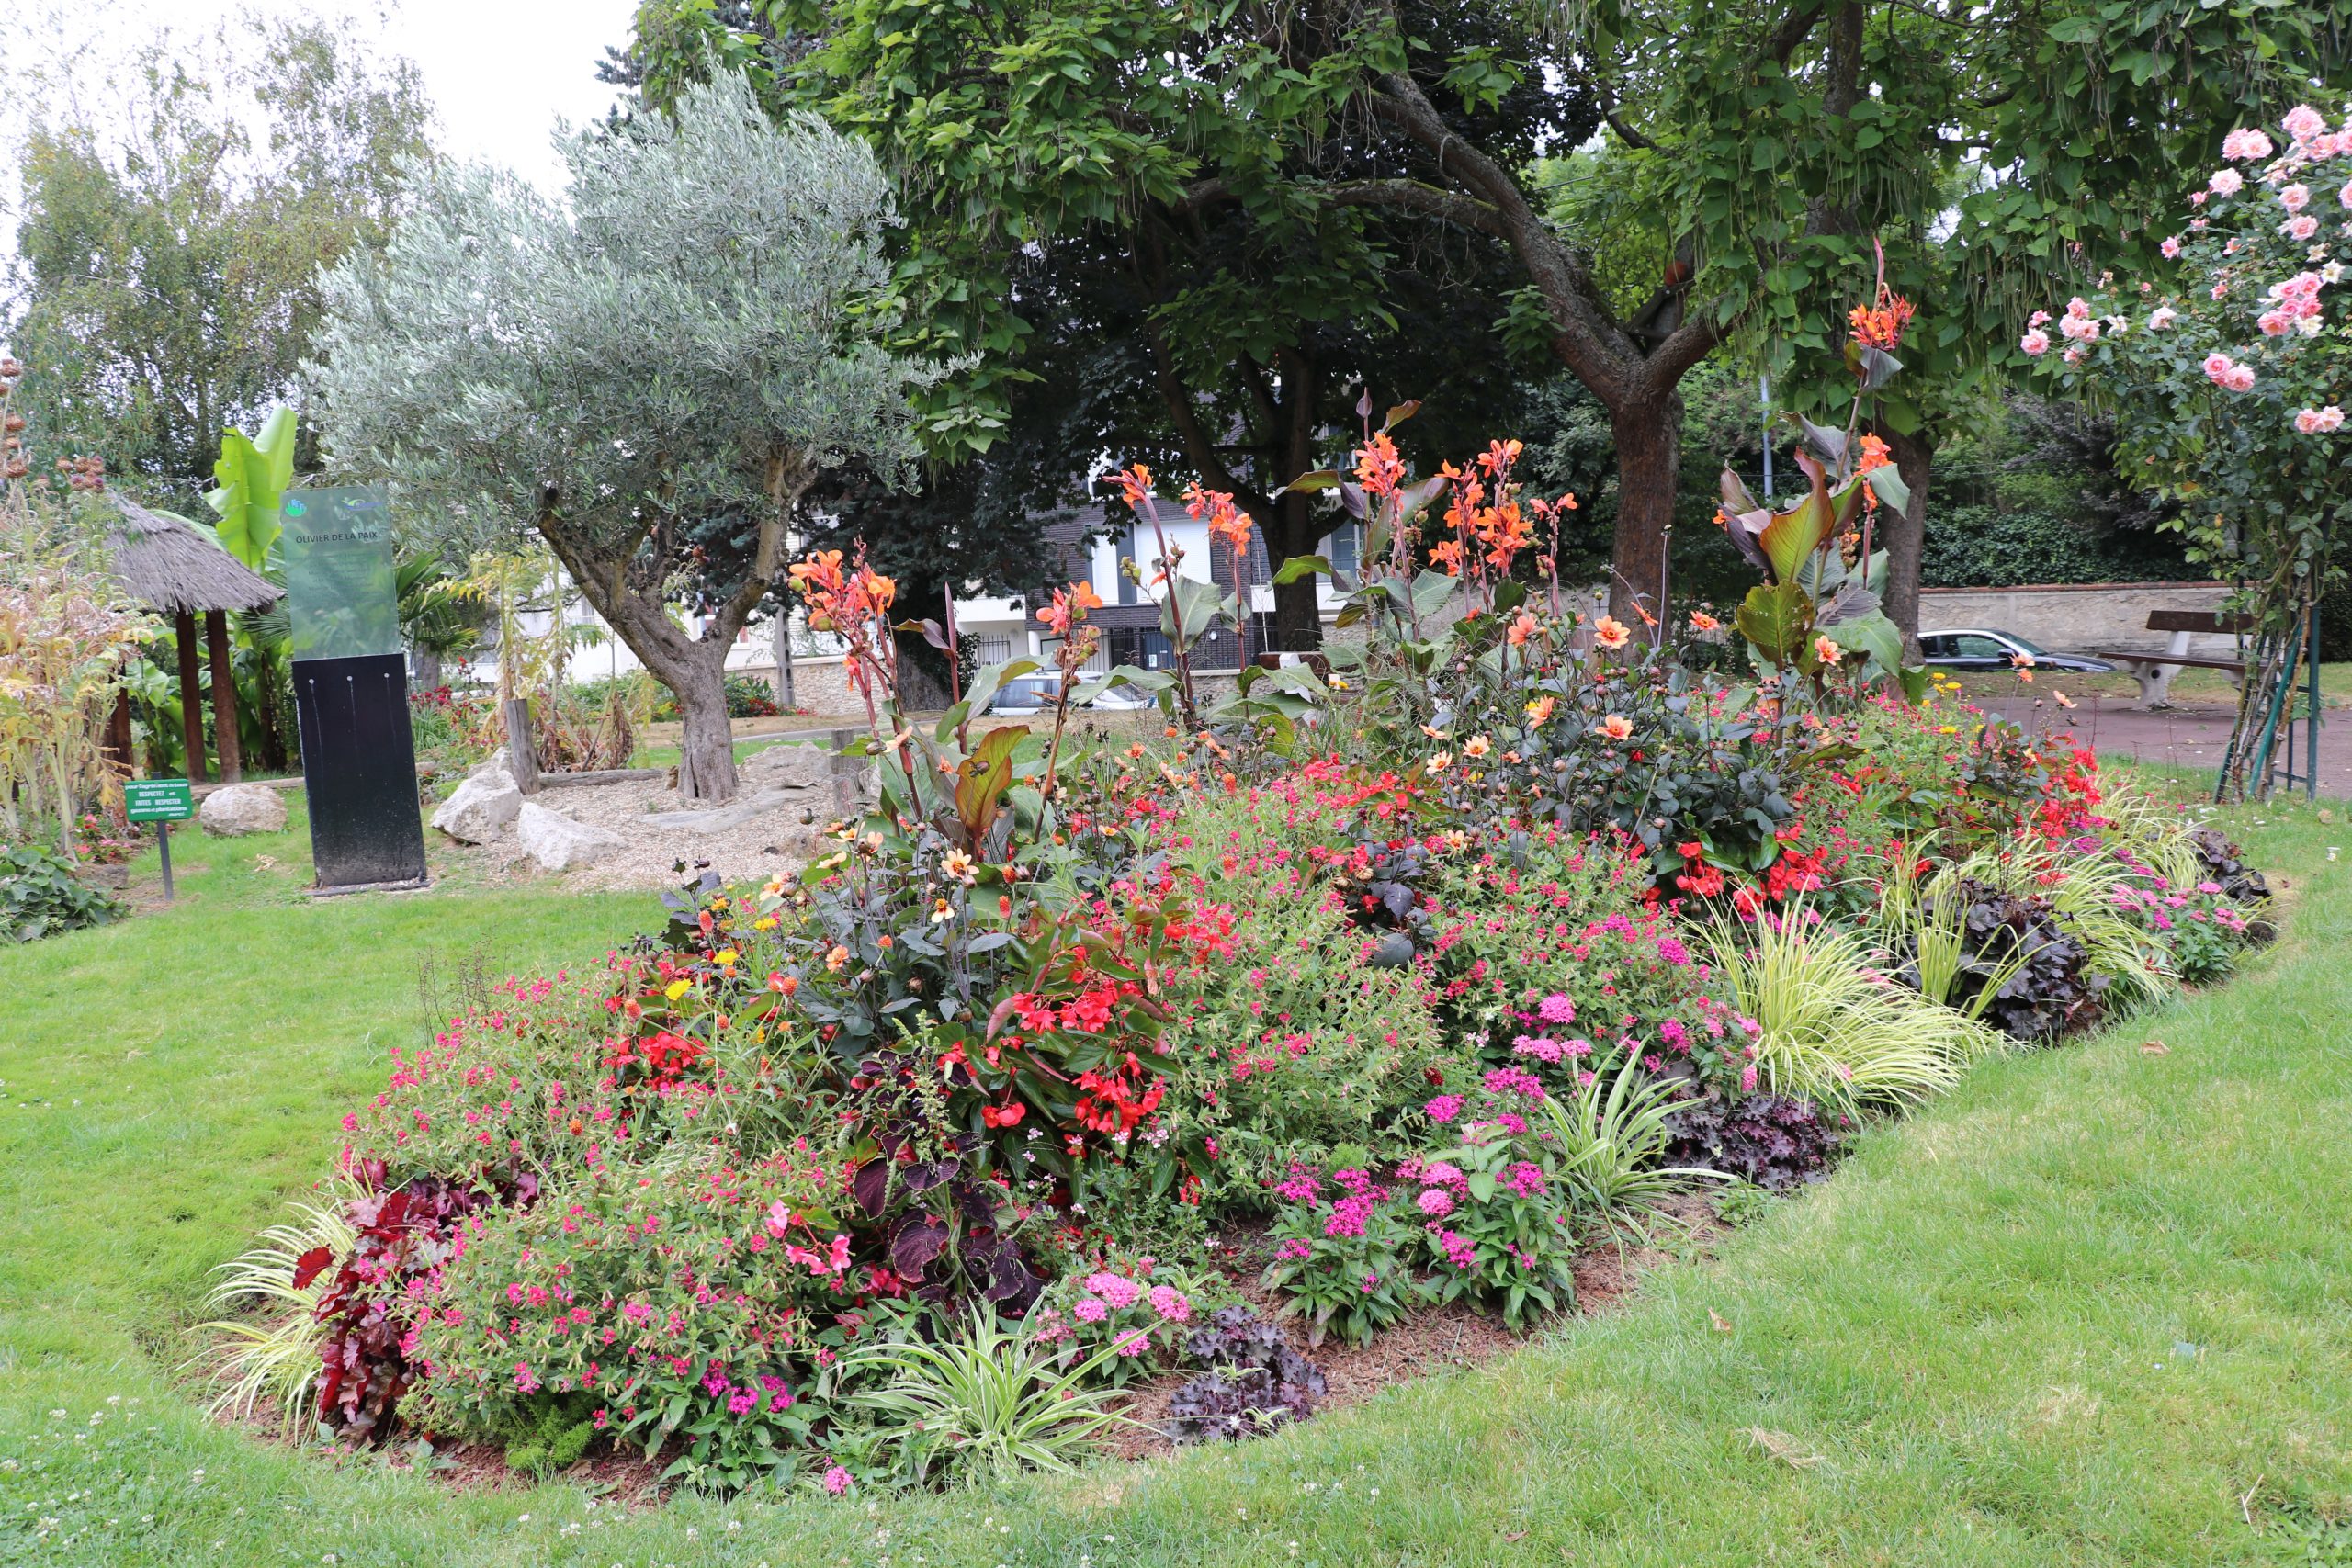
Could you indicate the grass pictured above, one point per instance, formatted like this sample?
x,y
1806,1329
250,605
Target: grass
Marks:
x,y
2090,1308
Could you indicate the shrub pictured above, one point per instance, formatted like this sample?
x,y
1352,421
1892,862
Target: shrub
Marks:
x,y
1340,1253
1609,1143
694,1303
40,895
981,1406
1775,1141
401,1239
1547,954
748,696
1494,1225
1255,1382
2018,969
1302,1039
275,1365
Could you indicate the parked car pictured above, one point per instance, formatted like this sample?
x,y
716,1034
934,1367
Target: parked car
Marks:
x,y
1977,647
1025,693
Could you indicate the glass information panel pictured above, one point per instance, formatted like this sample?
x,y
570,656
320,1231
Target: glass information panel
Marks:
x,y
341,591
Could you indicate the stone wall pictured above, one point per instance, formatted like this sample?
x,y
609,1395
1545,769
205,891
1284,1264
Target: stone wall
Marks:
x,y
2074,617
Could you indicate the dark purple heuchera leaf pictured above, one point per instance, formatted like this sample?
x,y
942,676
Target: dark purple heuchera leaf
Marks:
x,y
1775,1141
2054,989
1255,1382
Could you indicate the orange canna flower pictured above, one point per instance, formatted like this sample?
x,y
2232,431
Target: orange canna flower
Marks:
x,y
1378,468
1135,484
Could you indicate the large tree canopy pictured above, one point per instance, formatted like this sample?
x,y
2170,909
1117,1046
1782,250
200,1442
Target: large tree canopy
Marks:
x,y
165,279
1771,143
692,335
1157,190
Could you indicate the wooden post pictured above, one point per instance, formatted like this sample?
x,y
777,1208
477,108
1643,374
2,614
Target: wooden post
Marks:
x,y
225,743
522,758
191,698
118,744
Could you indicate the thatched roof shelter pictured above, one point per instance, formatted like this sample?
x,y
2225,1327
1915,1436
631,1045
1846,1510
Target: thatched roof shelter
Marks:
x,y
178,571
183,574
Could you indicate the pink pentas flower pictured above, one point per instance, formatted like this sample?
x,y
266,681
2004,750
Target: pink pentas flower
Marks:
x,y
1436,1203
1171,1304
1556,1009
1117,1289
836,1481
1088,1310
1443,1109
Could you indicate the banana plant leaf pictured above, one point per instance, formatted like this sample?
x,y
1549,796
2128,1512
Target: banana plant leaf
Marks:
x,y
254,473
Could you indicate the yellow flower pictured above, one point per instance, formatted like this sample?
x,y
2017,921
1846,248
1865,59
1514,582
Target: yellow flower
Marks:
x,y
726,956
678,988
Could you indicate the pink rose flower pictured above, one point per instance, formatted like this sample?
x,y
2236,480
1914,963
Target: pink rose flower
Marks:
x,y
2035,343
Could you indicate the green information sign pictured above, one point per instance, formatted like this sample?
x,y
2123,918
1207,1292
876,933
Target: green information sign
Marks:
x,y
341,590
157,800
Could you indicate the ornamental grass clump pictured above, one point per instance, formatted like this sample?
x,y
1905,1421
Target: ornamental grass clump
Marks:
x,y
1834,1026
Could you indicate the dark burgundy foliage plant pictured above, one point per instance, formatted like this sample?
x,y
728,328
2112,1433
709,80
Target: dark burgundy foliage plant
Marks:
x,y
2052,992
1255,1382
403,1234
2238,880
1776,1140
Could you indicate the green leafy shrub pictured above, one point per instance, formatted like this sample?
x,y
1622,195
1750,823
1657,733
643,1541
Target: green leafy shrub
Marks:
x,y
1342,1253
40,896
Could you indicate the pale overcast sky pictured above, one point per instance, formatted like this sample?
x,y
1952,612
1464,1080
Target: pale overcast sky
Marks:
x,y
499,71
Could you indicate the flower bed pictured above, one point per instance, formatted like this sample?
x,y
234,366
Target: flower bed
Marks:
x,y
1435,980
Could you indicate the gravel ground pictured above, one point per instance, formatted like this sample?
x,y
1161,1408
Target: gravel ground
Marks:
x,y
776,832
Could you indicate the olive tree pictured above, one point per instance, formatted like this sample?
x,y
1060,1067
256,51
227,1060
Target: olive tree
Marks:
x,y
692,333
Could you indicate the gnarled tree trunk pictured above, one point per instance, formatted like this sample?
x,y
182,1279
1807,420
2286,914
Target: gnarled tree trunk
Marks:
x,y
1649,457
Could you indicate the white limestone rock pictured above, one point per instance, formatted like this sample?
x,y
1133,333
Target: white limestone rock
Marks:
x,y
559,843
237,810
480,807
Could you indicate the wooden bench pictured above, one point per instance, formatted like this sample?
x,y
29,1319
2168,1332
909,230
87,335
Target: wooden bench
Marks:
x,y
2155,669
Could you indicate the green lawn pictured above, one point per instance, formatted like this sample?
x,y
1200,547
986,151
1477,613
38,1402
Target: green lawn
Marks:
x,y
2092,1308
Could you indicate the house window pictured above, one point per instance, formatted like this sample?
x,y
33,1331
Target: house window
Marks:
x,y
1128,586
993,648
1141,647
1343,548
